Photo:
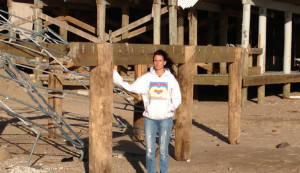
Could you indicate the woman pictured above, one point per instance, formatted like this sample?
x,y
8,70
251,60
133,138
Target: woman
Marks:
x,y
161,96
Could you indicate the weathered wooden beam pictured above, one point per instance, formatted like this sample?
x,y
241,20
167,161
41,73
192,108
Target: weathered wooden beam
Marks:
x,y
211,79
84,54
80,24
61,18
279,78
211,54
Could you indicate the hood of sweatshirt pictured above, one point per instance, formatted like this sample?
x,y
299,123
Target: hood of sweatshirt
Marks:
x,y
167,72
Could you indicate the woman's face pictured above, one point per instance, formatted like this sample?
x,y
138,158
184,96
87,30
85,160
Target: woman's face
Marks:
x,y
159,62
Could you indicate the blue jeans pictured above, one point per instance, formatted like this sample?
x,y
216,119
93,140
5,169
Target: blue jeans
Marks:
x,y
163,127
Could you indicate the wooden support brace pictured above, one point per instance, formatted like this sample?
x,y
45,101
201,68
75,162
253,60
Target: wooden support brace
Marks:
x,y
68,27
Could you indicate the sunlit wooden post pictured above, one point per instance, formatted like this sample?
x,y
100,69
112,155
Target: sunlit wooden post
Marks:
x,y
100,59
183,125
287,51
223,27
262,44
234,98
55,81
245,41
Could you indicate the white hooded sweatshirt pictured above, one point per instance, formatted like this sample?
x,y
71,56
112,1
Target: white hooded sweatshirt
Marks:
x,y
161,95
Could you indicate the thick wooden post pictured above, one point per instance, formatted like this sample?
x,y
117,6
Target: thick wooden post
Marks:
x,y
234,99
210,35
262,44
101,106
184,113
38,4
172,23
125,21
124,36
223,27
101,10
55,81
180,27
245,68
245,42
156,21
138,118
10,10
287,51
193,35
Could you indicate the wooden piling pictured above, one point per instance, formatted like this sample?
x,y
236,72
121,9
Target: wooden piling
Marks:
x,y
287,51
183,125
138,118
245,43
101,10
55,81
193,39
245,66
223,27
101,106
156,21
172,23
262,44
38,4
234,99
180,27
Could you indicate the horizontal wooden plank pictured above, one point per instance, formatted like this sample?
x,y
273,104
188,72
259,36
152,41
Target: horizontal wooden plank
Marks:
x,y
211,80
212,54
271,79
86,54
131,54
